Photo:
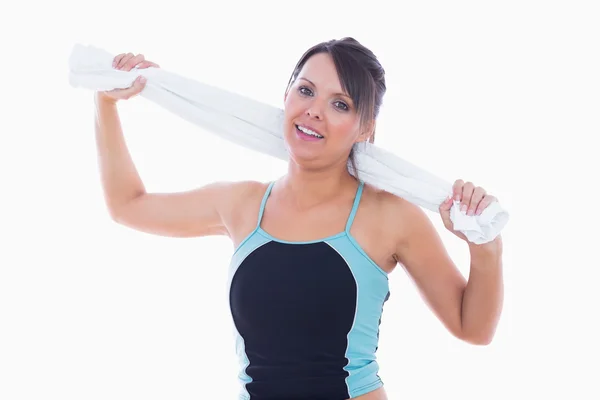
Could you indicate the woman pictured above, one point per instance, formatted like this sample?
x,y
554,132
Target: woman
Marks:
x,y
313,249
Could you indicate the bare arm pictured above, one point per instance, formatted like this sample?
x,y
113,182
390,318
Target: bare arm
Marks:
x,y
120,179
484,294
198,212
470,310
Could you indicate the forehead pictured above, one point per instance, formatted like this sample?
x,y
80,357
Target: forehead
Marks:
x,y
320,69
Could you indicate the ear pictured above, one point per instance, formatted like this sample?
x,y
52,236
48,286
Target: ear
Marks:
x,y
368,132
287,91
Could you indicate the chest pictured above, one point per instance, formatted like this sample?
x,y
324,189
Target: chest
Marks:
x,y
305,314
307,225
366,225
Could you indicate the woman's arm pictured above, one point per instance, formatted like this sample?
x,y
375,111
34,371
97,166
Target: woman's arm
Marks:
x,y
484,294
470,309
199,212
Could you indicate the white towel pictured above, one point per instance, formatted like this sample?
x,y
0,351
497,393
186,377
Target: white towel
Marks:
x,y
258,126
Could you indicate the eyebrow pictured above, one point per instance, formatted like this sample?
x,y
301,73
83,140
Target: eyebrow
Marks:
x,y
337,94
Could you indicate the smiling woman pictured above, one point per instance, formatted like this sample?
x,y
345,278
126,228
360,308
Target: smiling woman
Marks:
x,y
313,249
348,78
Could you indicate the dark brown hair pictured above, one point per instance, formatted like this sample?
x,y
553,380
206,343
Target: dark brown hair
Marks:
x,y
361,76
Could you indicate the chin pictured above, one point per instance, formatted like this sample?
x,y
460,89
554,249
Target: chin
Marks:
x,y
303,153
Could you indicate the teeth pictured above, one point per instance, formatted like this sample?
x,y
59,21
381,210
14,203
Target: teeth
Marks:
x,y
308,131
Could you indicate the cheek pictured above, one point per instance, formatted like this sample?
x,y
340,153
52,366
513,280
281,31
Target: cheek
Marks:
x,y
292,106
291,111
342,127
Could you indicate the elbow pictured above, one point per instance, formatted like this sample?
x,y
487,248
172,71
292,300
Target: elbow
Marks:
x,y
118,211
115,214
485,341
478,339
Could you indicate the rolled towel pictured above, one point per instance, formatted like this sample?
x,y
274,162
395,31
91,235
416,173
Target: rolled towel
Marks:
x,y
258,126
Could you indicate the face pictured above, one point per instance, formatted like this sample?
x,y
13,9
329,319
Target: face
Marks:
x,y
321,122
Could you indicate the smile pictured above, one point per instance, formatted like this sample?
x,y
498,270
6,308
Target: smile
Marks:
x,y
308,132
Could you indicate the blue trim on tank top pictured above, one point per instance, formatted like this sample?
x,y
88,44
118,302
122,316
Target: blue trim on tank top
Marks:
x,y
351,238
273,238
345,232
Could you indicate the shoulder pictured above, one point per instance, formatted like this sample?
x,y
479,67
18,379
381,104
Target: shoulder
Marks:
x,y
401,218
389,204
246,188
240,199
234,194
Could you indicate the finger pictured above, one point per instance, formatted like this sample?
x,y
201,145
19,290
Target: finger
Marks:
x,y
484,203
467,192
117,59
457,189
478,194
135,88
124,60
446,205
112,92
147,64
445,213
133,61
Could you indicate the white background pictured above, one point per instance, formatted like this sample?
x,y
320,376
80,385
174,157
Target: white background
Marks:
x,y
504,94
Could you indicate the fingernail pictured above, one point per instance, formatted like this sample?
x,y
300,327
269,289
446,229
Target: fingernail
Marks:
x,y
463,208
142,79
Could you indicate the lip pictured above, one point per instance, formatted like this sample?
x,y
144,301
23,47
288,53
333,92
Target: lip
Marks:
x,y
311,128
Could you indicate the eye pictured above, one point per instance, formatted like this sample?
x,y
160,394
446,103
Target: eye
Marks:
x,y
305,91
341,105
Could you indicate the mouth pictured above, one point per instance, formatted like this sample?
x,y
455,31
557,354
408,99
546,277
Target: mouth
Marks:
x,y
308,133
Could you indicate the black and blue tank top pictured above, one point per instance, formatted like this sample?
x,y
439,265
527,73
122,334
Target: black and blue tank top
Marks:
x,y
306,315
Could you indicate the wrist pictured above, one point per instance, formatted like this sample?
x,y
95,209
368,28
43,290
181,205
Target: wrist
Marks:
x,y
487,250
102,98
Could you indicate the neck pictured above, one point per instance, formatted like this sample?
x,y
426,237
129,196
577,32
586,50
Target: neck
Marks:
x,y
309,187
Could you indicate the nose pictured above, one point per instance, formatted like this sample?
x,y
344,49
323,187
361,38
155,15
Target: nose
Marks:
x,y
315,111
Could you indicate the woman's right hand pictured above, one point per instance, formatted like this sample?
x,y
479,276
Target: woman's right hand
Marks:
x,y
126,62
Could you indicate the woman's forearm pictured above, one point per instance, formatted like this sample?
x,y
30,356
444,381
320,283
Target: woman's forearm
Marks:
x,y
483,297
121,182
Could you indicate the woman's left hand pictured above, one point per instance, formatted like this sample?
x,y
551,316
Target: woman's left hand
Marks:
x,y
473,200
